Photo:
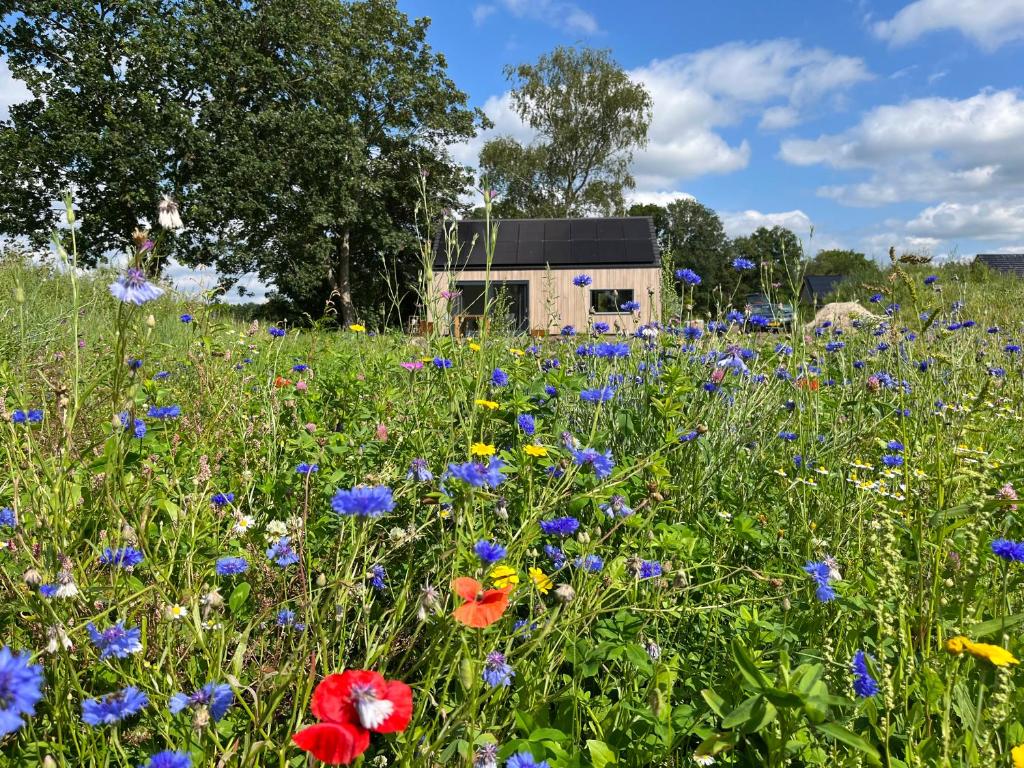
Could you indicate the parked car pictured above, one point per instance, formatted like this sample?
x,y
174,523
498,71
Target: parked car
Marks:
x,y
780,316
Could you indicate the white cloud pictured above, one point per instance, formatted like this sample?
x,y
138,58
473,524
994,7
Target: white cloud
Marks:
x,y
925,149
989,23
560,14
740,223
974,221
658,198
777,118
11,91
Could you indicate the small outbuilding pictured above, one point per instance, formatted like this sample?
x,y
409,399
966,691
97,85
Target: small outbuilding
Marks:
x,y
1008,263
534,269
816,288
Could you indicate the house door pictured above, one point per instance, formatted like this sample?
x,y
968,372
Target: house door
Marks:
x,y
509,305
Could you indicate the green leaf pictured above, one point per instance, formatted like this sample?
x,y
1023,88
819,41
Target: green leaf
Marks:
x,y
850,739
748,668
742,713
547,734
992,626
716,702
239,595
782,698
600,754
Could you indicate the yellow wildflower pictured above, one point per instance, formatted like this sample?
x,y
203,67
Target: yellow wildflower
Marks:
x,y
481,449
504,576
541,581
535,450
489,404
517,352
474,346
1017,754
993,654
357,328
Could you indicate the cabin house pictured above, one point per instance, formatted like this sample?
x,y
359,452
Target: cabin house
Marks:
x,y
816,288
532,275
1008,263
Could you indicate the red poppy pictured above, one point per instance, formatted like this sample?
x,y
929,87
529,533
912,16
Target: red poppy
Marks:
x,y
350,706
281,381
810,384
482,607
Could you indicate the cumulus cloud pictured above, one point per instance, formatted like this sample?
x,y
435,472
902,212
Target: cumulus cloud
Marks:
x,y
975,221
11,91
989,23
555,13
925,149
658,198
740,223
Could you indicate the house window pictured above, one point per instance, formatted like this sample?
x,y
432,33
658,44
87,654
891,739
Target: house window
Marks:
x,y
609,300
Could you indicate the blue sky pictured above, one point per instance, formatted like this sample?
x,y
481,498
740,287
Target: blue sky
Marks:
x,y
879,123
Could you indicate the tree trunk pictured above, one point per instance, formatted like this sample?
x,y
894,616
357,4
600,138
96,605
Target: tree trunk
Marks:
x,y
340,278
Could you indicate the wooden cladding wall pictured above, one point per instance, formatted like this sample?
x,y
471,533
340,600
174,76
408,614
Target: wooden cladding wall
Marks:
x,y
552,292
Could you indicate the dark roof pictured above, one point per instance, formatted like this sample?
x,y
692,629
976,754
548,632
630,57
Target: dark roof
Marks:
x,y
627,241
820,286
1003,262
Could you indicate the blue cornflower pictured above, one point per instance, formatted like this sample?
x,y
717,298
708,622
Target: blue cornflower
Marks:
x,y
442,363
758,321
560,526
692,332
689,437
600,395
134,363
169,759
363,501
138,425
1009,550
276,332
300,368
550,390
742,264
591,563
892,460
895,446
1012,349
497,671
133,288
601,327
648,569
117,641
48,591
477,474
307,469
617,506
864,685
555,555
489,551
582,281
378,577
419,471
31,416
222,499
186,319
875,298
822,576
20,689
931,279
525,760
164,411
835,346
231,566
123,557
286,619
161,375
7,518
790,436
568,330
216,697
688,276
601,463
630,306
281,552
114,707
499,378
526,424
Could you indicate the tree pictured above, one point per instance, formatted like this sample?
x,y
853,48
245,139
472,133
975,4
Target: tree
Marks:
x,y
102,120
835,261
588,117
776,250
293,134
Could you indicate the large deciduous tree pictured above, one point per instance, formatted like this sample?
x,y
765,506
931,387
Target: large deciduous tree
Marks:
x,y
777,253
587,117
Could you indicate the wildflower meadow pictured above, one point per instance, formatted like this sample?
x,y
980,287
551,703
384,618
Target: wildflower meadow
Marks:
x,y
242,544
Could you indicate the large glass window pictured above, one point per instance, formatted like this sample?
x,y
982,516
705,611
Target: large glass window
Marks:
x,y
608,300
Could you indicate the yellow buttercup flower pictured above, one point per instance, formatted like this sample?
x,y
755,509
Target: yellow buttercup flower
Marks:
x,y
357,328
535,450
489,404
1017,754
517,352
504,576
474,346
993,654
541,581
481,449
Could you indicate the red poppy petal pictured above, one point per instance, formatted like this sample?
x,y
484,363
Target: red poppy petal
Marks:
x,y
329,702
399,694
495,596
482,614
333,743
467,588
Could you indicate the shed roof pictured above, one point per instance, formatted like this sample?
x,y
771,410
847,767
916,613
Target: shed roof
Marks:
x,y
627,241
820,286
1003,262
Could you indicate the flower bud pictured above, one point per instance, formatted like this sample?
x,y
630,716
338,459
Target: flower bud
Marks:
x,y
151,322
565,593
